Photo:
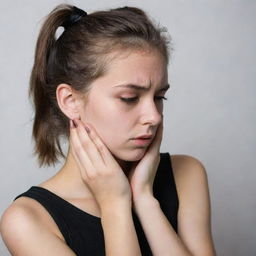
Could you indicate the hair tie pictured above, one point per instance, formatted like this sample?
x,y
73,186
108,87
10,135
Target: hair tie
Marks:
x,y
75,16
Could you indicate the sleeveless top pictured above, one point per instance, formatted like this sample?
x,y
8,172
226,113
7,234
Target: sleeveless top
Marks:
x,y
83,232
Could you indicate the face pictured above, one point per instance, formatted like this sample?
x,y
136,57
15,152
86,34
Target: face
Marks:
x,y
120,113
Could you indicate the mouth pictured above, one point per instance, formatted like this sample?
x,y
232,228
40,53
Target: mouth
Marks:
x,y
146,136
142,141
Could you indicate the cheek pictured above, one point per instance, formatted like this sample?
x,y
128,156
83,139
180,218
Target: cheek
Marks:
x,y
116,129
110,121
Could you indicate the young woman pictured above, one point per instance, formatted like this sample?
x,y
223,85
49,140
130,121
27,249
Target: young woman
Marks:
x,y
101,85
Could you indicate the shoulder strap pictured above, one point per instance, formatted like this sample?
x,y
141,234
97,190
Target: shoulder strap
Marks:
x,y
52,204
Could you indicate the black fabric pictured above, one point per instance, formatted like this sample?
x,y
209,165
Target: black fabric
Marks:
x,y
83,232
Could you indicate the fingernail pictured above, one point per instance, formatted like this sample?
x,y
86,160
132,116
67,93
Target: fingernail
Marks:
x,y
71,124
75,122
87,128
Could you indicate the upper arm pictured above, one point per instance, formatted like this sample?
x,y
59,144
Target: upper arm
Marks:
x,y
24,234
194,215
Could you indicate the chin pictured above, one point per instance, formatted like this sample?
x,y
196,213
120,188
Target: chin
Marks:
x,y
131,155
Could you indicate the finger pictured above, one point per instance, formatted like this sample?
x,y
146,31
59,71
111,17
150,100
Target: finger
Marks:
x,y
102,148
160,134
83,171
158,138
79,153
89,145
160,131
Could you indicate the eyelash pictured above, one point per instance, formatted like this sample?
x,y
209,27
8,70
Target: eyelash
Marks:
x,y
132,100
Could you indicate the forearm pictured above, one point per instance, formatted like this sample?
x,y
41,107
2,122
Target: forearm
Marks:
x,y
161,236
119,231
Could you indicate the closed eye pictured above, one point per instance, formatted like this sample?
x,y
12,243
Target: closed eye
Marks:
x,y
131,100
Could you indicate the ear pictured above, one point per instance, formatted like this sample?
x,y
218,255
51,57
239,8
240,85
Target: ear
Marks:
x,y
69,101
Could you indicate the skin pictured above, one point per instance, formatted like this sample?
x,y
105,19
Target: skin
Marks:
x,y
106,112
103,175
113,123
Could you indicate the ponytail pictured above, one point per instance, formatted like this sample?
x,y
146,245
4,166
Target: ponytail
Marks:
x,y
47,144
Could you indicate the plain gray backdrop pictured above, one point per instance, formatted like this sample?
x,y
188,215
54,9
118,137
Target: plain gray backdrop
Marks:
x,y
210,112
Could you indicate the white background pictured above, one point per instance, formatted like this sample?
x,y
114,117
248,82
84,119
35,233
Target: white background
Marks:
x,y
210,113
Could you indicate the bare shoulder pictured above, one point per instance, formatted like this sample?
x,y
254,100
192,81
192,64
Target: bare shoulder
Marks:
x,y
194,214
25,221
20,210
187,170
192,185
25,209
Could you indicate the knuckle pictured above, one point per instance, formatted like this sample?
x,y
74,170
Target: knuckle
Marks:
x,y
84,176
84,140
92,176
92,136
101,147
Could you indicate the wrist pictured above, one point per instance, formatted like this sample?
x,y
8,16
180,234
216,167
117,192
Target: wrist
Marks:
x,y
145,202
115,207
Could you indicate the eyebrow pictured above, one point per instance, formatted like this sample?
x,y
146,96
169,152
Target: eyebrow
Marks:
x,y
141,88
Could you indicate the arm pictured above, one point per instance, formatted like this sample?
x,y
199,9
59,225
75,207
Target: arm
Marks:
x,y
193,217
119,231
161,237
110,187
25,235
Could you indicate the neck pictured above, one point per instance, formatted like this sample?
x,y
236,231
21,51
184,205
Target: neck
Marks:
x,y
69,177
125,165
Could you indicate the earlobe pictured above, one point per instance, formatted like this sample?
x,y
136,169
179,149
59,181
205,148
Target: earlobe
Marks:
x,y
67,101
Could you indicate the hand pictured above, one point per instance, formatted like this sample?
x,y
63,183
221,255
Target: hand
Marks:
x,y
99,170
142,174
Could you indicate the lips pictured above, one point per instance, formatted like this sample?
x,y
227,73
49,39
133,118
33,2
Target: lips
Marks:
x,y
142,142
146,136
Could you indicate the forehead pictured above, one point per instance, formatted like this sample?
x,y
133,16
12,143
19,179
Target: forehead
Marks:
x,y
146,69
139,64
143,69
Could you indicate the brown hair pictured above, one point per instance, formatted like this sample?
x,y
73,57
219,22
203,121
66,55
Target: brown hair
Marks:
x,y
79,56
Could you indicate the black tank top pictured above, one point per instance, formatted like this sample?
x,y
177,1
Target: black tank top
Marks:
x,y
83,232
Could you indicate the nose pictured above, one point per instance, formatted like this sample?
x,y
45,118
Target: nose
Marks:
x,y
152,115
